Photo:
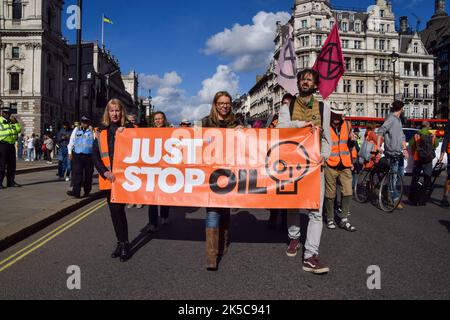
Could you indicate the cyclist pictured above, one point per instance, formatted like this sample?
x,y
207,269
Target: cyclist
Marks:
x,y
394,143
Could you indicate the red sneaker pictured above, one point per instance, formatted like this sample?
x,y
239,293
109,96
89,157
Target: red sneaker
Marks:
x,y
293,248
313,265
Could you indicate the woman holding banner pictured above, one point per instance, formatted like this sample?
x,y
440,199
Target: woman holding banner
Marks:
x,y
218,219
114,119
159,121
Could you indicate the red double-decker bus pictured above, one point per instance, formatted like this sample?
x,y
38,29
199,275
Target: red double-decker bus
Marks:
x,y
436,124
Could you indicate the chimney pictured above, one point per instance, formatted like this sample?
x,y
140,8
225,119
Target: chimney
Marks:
x,y
439,6
404,26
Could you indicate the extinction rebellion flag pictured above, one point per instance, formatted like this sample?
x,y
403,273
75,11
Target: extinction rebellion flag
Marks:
x,y
330,63
286,69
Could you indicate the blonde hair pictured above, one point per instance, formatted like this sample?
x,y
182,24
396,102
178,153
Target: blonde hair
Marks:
x,y
106,121
214,115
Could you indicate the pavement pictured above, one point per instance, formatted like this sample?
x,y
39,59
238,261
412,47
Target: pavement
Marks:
x,y
40,201
411,248
24,167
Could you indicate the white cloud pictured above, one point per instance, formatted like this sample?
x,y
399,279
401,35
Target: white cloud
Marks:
x,y
177,104
223,80
249,47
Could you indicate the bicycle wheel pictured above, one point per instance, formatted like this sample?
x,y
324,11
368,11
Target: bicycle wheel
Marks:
x,y
362,187
391,192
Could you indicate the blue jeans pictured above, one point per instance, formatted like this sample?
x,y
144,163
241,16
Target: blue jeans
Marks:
x,y
214,215
64,165
30,155
397,165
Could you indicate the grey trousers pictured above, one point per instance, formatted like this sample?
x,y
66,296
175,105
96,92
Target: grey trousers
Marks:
x,y
315,225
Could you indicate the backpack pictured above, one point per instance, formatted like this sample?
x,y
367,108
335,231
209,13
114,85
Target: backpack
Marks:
x,y
425,148
366,150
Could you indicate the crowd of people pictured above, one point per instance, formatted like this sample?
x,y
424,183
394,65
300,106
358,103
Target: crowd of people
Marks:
x,y
343,154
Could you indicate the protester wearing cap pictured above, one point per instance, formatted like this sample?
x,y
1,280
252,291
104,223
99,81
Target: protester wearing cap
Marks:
x,y
80,152
339,168
9,133
185,124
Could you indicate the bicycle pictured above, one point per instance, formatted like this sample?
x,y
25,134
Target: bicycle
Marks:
x,y
381,182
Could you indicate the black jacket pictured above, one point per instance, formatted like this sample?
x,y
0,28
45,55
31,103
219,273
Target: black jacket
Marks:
x,y
99,165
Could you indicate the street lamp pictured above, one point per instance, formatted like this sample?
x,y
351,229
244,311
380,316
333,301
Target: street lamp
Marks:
x,y
394,56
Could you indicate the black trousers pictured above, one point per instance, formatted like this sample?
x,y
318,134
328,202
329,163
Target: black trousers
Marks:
x,y
82,172
7,163
119,219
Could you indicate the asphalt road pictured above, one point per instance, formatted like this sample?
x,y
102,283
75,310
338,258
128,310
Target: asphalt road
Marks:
x,y
411,247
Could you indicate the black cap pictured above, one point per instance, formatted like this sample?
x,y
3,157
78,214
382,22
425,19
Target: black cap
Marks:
x,y
85,119
6,110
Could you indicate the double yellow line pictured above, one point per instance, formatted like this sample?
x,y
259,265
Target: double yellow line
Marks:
x,y
8,262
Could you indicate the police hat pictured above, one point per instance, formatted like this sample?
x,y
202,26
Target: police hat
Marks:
x,y
6,110
85,119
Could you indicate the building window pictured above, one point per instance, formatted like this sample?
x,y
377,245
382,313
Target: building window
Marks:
x,y
318,41
15,53
352,18
304,24
416,91
382,13
13,107
375,44
305,41
425,91
377,86
416,48
17,9
345,44
382,64
357,27
347,86
360,110
14,84
359,86
331,24
385,87
359,64
382,45
382,28
318,24
357,44
344,26
348,63
406,90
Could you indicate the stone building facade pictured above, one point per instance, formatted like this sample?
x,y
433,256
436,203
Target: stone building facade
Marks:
x,y
371,47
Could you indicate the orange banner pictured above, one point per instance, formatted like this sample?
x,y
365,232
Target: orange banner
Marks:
x,y
208,167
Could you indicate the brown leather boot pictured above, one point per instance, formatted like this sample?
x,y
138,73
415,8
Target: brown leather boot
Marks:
x,y
224,237
212,248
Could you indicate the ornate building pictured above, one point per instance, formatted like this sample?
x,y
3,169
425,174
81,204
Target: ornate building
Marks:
x,y
34,63
371,47
436,38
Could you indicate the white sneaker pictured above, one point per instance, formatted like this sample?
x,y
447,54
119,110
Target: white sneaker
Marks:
x,y
139,206
27,160
67,179
130,206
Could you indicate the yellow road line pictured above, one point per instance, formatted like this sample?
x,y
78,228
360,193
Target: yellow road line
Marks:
x,y
51,235
53,231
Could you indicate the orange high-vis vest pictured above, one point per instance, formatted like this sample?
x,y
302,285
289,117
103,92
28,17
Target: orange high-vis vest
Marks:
x,y
339,150
448,148
105,184
416,150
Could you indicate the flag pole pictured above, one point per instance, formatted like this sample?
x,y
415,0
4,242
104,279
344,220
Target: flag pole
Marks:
x,y
103,31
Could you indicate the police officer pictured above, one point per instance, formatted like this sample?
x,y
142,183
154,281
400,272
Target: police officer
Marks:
x,y
80,152
9,133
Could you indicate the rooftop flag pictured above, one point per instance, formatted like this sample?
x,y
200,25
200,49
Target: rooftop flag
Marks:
x,y
286,69
107,20
330,63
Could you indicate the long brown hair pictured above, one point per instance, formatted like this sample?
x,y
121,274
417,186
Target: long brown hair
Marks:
x,y
214,115
166,123
106,121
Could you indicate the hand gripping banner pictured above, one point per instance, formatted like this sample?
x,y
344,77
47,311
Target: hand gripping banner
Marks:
x,y
208,167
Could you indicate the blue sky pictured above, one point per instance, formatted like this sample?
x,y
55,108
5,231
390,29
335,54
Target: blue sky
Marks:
x,y
183,51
